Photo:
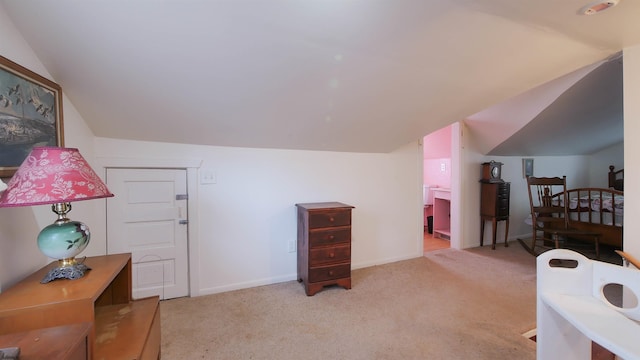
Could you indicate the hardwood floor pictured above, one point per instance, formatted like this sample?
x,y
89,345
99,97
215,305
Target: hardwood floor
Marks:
x,y
433,243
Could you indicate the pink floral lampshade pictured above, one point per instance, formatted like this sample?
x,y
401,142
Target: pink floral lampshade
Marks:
x,y
53,175
58,176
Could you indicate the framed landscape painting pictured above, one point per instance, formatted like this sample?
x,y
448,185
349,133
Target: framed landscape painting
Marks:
x,y
30,114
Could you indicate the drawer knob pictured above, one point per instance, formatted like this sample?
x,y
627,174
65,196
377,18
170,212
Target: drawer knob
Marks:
x,y
331,255
331,219
330,272
331,237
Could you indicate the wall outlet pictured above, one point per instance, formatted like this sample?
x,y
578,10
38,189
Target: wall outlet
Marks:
x,y
292,246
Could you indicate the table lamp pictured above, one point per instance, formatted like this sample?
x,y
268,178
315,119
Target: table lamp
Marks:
x,y
57,176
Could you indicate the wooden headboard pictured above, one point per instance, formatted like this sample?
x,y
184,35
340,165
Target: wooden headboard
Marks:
x,y
616,178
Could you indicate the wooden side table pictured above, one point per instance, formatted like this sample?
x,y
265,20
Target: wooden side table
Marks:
x,y
68,342
101,297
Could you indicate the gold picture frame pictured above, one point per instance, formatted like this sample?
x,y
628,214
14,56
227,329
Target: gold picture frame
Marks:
x,y
30,114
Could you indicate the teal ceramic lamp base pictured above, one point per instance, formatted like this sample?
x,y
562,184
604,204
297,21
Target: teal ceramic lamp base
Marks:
x,y
63,240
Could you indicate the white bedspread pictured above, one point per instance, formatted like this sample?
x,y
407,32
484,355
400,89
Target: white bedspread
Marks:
x,y
604,208
598,203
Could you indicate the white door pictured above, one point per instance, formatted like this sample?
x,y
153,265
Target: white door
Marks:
x,y
147,217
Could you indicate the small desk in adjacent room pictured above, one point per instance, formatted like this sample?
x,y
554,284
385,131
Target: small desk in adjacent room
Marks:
x,y
442,213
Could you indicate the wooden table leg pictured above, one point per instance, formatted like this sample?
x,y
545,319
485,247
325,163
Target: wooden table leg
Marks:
x,y
506,233
493,243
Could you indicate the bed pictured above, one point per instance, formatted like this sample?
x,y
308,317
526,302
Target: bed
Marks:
x,y
600,210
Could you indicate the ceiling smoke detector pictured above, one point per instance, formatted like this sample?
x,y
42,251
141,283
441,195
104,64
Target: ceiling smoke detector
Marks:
x,y
597,7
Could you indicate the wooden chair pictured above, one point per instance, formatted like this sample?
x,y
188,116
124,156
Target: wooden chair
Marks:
x,y
550,215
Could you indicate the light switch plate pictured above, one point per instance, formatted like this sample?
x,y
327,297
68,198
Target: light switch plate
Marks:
x,y
207,176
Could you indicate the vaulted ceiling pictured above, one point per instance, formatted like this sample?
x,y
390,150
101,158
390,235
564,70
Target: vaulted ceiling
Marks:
x,y
577,114
339,75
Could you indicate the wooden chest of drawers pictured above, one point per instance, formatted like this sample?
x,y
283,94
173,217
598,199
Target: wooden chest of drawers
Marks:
x,y
324,245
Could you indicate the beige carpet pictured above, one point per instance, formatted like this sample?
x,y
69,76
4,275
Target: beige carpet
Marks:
x,y
451,304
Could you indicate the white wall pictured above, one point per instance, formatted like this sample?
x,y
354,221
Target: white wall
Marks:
x,y
631,147
19,227
581,171
574,167
599,164
247,218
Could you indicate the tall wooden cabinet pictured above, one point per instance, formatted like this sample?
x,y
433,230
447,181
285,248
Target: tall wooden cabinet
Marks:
x,y
494,207
121,328
324,245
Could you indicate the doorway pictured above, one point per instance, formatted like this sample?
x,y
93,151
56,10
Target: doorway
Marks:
x,y
437,166
149,220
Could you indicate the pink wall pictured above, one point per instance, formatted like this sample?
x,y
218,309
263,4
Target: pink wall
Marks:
x,y
438,144
437,172
437,158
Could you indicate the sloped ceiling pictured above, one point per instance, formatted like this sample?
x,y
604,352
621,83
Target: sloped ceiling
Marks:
x,y
576,114
356,75
586,118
